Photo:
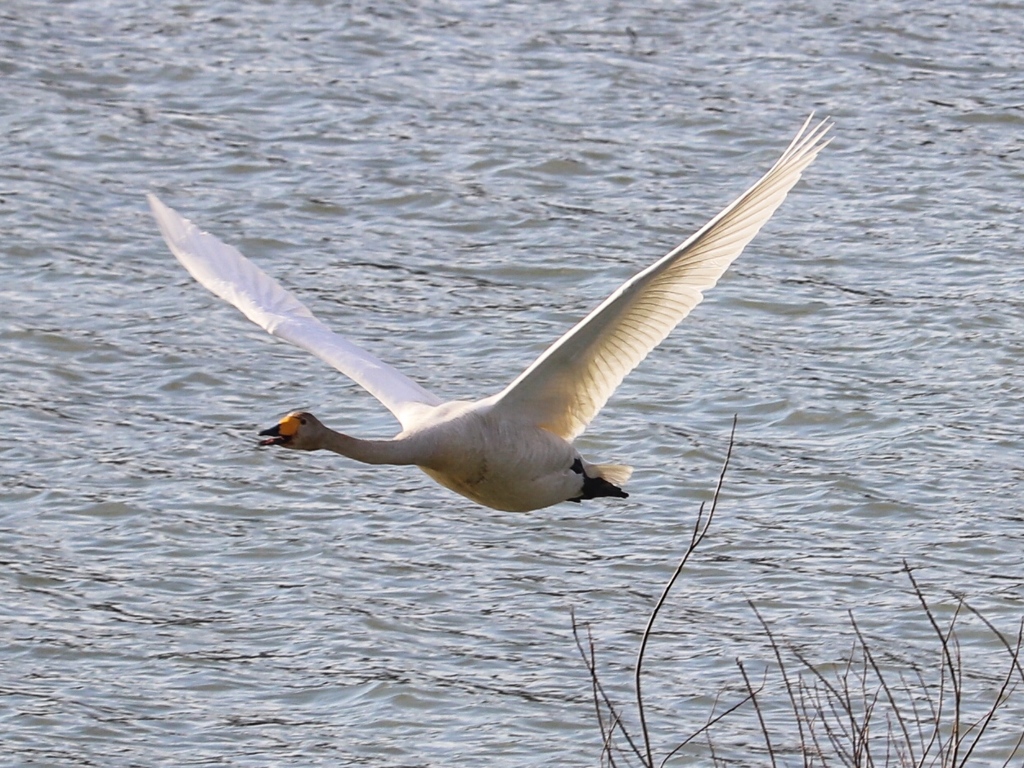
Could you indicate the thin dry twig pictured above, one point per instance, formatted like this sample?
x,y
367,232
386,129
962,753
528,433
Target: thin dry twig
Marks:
x,y
757,710
615,720
712,720
700,530
1001,696
837,713
866,649
1002,638
785,676
951,666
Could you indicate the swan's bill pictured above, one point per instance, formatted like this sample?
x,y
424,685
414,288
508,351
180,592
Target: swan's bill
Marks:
x,y
282,432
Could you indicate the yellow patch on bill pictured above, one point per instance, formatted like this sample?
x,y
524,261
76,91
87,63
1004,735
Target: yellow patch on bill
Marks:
x,y
288,426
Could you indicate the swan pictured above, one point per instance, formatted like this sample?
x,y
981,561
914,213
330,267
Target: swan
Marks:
x,y
512,450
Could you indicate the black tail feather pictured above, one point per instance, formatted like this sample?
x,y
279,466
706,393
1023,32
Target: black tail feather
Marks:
x,y
597,487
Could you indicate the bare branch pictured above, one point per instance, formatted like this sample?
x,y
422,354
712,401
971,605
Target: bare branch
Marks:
x,y
837,708
1013,751
785,677
615,719
757,709
945,665
1001,697
700,530
712,720
885,686
1002,638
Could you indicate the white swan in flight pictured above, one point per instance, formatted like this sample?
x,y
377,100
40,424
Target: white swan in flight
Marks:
x,y
513,450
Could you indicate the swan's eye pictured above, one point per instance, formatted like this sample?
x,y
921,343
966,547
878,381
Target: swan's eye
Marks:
x,y
302,422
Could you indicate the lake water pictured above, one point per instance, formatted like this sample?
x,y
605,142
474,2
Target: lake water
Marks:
x,y
452,186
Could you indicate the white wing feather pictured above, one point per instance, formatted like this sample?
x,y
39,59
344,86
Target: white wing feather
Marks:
x,y
571,381
226,272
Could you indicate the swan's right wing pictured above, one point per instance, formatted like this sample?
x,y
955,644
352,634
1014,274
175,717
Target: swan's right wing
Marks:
x,y
223,270
568,384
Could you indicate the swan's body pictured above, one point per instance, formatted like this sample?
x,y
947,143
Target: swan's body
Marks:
x,y
501,463
513,450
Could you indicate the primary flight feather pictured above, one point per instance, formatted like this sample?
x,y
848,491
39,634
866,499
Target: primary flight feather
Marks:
x,y
513,450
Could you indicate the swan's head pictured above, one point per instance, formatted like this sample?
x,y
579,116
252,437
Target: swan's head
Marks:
x,y
298,430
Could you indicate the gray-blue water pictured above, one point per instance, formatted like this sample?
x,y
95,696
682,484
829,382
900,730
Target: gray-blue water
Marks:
x,y
452,186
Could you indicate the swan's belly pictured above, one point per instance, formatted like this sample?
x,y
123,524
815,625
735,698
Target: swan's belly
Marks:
x,y
516,469
516,494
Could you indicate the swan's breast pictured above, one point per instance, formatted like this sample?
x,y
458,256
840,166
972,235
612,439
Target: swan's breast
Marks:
x,y
500,463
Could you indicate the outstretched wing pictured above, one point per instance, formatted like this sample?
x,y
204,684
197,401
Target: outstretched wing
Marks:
x,y
226,272
571,381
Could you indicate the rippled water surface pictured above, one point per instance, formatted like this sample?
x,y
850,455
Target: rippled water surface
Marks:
x,y
452,185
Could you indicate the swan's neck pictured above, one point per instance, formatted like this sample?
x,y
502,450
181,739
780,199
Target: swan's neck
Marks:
x,y
369,451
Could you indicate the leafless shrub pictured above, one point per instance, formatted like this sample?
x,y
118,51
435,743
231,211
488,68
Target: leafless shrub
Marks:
x,y
866,711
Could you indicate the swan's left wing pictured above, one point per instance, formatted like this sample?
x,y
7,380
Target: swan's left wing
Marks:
x,y
222,269
573,379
